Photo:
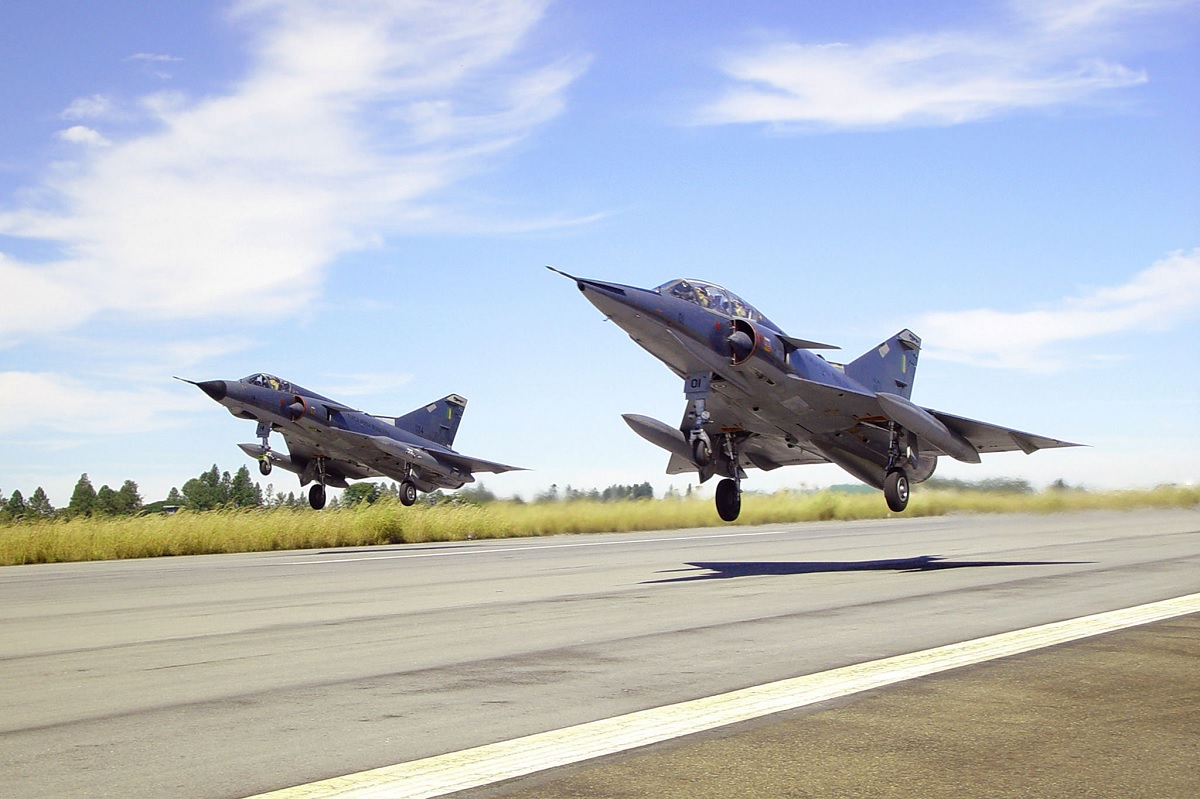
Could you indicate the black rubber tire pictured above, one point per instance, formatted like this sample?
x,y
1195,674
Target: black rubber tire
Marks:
x,y
729,500
408,493
895,490
264,467
316,496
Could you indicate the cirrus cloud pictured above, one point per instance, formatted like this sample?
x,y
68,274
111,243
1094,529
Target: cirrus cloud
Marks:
x,y
1158,298
1041,55
349,122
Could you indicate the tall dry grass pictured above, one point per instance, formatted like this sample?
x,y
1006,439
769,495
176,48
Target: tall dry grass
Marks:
x,y
385,522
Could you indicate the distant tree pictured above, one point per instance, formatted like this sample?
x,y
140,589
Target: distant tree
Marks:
x,y
1006,485
15,507
244,493
439,497
359,493
477,494
83,498
39,503
129,500
995,485
174,497
206,491
106,502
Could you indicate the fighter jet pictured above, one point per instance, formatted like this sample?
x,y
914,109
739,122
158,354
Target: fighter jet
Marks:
x,y
330,443
757,397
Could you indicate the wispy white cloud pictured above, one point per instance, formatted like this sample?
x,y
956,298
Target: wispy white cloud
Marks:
x,y
40,401
350,121
82,134
96,105
1158,298
1044,53
153,57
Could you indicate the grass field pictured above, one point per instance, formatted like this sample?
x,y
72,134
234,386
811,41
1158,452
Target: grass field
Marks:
x,y
388,522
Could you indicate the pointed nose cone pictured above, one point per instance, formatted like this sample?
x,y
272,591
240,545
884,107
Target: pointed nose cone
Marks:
x,y
214,388
601,294
613,299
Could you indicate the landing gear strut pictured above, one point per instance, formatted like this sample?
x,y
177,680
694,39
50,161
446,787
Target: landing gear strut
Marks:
x,y
264,460
696,388
707,454
729,491
895,484
316,494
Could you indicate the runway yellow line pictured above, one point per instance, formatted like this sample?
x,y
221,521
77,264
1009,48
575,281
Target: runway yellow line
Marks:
x,y
483,765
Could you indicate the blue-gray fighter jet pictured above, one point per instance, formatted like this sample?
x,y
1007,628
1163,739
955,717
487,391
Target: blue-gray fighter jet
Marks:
x,y
759,398
329,443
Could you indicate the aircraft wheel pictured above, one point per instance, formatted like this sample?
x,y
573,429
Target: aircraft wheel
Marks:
x,y
729,500
408,493
895,490
316,496
701,452
264,467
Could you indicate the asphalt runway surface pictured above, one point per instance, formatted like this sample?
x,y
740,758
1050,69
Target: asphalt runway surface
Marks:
x,y
1113,716
227,676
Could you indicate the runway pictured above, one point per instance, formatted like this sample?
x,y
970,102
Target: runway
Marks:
x,y
227,676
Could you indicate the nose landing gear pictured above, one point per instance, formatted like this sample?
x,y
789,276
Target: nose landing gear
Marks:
x,y
264,461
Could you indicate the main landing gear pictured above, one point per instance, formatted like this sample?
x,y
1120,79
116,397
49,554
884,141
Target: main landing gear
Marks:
x,y
316,494
729,490
696,388
408,493
895,484
729,499
895,490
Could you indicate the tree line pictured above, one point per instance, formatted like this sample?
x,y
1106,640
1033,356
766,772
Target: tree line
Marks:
x,y
213,489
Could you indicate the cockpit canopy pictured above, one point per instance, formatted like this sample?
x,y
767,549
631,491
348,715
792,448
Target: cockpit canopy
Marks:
x,y
268,381
717,298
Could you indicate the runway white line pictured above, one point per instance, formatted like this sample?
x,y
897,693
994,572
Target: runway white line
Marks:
x,y
483,765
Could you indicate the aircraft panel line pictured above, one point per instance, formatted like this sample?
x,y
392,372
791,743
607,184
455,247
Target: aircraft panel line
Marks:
x,y
484,765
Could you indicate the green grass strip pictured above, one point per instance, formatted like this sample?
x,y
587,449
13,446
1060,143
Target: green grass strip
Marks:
x,y
387,522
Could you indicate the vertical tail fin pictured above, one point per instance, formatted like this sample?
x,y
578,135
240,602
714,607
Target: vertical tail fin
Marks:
x,y
890,367
437,421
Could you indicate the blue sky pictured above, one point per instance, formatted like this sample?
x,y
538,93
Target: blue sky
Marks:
x,y
360,197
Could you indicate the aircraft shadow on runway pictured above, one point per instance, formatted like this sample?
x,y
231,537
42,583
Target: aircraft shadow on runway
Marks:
x,y
921,563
